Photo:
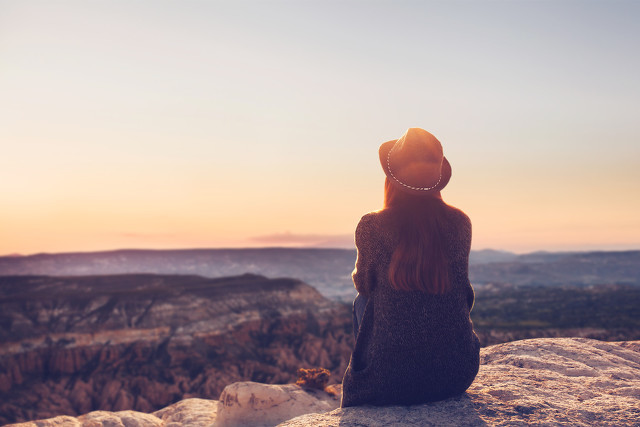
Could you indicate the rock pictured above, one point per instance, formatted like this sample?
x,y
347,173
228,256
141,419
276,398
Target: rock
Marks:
x,y
119,419
140,342
546,381
60,421
569,381
99,419
189,412
254,404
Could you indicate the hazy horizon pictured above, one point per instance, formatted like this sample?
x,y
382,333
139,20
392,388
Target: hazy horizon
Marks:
x,y
16,254
161,124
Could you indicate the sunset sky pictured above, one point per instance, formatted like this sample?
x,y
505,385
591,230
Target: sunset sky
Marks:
x,y
182,124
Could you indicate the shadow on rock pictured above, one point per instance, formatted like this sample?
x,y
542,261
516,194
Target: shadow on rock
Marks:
x,y
454,411
461,410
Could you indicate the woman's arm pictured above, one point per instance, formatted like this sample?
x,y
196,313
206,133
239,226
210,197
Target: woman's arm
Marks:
x,y
364,274
467,251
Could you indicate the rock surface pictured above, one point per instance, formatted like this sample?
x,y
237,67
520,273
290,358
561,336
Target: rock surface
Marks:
x,y
245,404
559,381
189,412
569,381
250,404
99,419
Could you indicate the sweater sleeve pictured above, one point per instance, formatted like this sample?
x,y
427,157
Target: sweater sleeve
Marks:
x,y
466,252
364,274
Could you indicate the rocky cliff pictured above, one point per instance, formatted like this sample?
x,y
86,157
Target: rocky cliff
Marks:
x,y
559,381
71,345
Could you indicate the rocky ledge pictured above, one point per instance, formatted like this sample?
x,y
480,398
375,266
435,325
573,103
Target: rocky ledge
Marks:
x,y
572,381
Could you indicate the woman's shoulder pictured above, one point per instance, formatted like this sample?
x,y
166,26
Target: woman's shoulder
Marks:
x,y
386,217
371,218
368,222
378,221
372,227
458,215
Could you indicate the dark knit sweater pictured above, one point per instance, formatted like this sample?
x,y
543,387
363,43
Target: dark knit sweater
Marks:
x,y
413,347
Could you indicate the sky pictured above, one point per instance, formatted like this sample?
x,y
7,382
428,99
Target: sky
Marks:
x,y
184,124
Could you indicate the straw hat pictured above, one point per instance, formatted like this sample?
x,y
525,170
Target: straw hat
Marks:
x,y
415,163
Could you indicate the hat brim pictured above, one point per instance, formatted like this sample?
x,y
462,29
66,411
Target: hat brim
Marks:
x,y
383,152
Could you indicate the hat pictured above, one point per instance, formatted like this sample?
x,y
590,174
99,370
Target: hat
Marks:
x,y
415,163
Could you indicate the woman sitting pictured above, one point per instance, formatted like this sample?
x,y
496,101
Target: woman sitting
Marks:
x,y
415,342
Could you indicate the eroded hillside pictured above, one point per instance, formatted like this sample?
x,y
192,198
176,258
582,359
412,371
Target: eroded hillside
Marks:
x,y
75,344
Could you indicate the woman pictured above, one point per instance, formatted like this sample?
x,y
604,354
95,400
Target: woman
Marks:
x,y
415,341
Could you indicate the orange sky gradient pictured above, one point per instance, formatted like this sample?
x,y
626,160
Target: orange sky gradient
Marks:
x,y
197,125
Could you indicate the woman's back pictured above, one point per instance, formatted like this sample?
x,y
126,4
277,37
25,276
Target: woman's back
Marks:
x,y
416,345
413,346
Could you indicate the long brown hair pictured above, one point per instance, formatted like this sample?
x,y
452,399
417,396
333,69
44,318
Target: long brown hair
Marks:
x,y
419,262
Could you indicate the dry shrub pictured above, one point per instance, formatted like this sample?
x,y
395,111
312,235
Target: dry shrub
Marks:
x,y
316,378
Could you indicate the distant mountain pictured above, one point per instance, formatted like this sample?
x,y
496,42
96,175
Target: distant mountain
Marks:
x,y
70,345
329,270
545,256
554,269
485,256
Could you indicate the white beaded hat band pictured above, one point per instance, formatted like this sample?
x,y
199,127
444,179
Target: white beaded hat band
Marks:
x,y
415,162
